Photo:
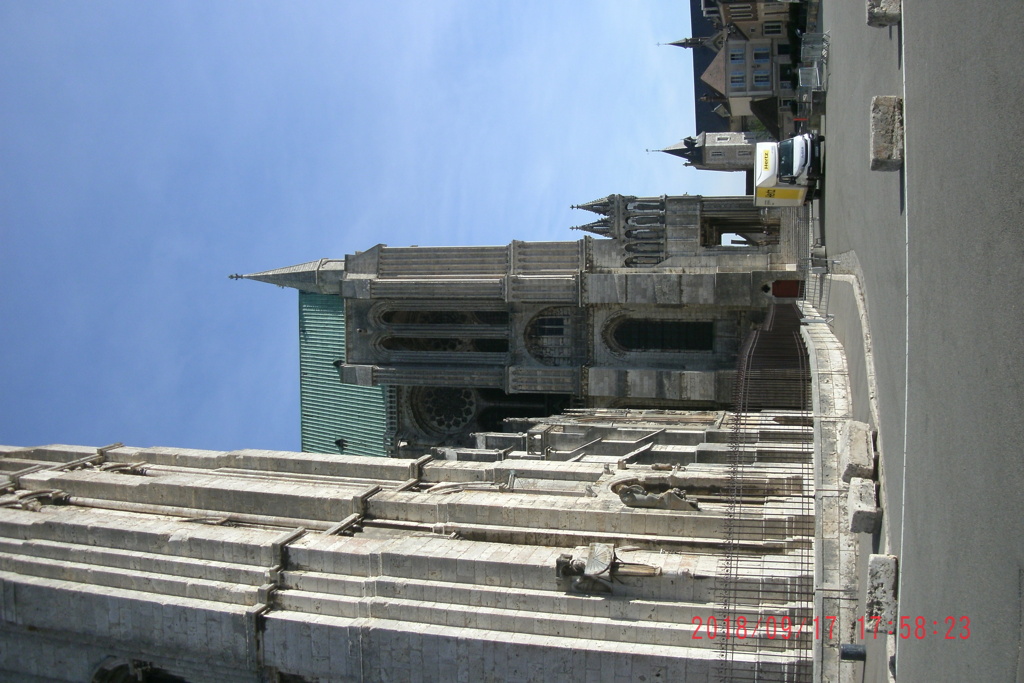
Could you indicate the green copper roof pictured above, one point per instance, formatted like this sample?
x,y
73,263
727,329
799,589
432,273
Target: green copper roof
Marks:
x,y
331,410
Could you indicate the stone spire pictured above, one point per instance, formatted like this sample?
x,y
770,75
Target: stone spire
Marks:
x,y
604,206
687,148
610,210
689,42
636,223
720,151
601,227
322,277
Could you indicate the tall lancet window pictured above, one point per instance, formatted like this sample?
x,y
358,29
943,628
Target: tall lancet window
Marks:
x,y
646,334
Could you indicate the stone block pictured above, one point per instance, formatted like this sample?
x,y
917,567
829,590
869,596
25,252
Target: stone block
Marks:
x,y
886,133
882,13
862,508
733,289
881,590
857,452
359,375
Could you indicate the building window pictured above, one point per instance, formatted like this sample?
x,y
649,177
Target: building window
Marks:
x,y
432,317
717,153
772,28
738,80
549,335
722,138
445,344
741,11
549,326
639,261
646,334
443,410
744,153
737,55
762,55
762,79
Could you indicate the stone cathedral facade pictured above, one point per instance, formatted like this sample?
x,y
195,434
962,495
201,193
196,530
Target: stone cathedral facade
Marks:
x,y
524,542
647,310
599,561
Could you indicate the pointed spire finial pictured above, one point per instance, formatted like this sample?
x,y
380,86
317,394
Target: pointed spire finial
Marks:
x,y
602,206
322,276
601,227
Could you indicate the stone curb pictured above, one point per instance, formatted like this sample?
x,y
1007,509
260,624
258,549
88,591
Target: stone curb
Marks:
x,y
857,451
886,133
862,507
848,261
835,569
882,13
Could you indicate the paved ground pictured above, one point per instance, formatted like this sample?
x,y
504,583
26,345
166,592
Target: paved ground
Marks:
x,y
940,248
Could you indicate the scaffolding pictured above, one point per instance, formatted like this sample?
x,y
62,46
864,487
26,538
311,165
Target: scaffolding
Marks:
x,y
771,412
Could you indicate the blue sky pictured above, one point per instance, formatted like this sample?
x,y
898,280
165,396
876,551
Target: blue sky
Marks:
x,y
148,150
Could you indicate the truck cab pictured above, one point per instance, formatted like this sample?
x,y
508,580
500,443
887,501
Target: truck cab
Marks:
x,y
787,171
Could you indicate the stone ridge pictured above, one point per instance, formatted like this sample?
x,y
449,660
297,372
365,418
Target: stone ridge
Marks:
x,y
236,566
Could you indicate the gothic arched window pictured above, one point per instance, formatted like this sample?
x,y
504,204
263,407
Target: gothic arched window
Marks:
x,y
444,317
649,334
637,261
445,344
549,335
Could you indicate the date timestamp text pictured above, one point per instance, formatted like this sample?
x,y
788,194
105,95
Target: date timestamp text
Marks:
x,y
916,628
824,628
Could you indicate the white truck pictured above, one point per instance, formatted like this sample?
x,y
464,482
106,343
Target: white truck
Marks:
x,y
786,173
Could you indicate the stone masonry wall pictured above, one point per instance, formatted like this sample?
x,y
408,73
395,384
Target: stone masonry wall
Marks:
x,y
250,565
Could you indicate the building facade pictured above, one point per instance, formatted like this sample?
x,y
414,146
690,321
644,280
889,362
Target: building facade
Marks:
x,y
648,310
744,69
605,556
722,151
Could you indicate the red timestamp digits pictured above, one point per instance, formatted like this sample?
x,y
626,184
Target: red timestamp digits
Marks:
x,y
916,628
770,627
775,627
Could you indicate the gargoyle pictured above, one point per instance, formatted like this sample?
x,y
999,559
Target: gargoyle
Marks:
x,y
593,568
636,496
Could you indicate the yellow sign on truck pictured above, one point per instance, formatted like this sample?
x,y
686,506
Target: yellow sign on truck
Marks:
x,y
780,196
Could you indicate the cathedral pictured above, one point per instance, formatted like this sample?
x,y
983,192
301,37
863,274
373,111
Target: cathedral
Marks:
x,y
649,309
603,450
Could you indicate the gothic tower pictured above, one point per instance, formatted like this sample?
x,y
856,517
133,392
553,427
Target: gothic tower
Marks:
x,y
650,313
724,151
